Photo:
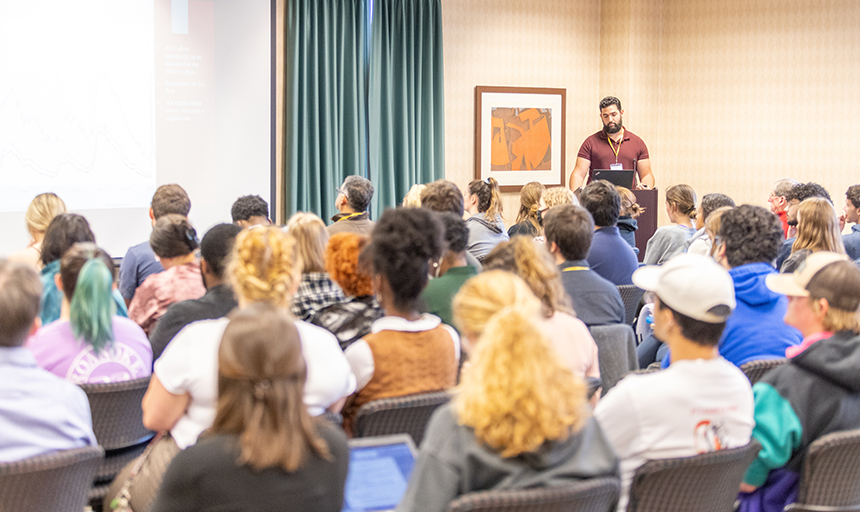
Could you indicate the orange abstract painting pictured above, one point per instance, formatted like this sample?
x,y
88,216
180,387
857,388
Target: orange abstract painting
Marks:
x,y
521,139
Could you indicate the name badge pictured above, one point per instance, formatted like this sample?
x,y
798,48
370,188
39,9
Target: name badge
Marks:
x,y
616,167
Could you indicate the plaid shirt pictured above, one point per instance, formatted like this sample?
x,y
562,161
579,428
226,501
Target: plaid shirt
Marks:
x,y
315,292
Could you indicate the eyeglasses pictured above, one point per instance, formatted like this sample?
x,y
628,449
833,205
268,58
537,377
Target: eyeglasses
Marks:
x,y
339,191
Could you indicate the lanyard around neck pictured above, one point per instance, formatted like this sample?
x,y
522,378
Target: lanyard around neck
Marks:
x,y
609,139
351,215
574,269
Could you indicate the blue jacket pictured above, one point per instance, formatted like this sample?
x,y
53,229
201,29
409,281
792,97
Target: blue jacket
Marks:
x,y
852,242
755,330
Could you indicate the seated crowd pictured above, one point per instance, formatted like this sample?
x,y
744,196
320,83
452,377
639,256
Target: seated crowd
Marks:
x,y
256,336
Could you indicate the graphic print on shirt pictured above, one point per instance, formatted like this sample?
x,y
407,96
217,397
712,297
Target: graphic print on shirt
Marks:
x,y
115,363
709,436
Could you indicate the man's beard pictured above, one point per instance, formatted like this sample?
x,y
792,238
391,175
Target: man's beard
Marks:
x,y
612,128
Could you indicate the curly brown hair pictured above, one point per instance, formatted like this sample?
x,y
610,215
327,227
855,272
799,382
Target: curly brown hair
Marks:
x,y
342,265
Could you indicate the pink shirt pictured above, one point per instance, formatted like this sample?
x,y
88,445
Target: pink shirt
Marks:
x,y
127,357
574,344
807,341
159,291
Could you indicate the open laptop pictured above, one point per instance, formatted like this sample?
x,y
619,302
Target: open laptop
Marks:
x,y
379,470
621,178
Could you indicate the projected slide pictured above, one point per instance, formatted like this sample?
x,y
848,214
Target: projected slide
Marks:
x,y
76,115
103,101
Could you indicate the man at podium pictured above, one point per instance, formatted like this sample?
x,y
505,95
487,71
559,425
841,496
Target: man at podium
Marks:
x,y
612,148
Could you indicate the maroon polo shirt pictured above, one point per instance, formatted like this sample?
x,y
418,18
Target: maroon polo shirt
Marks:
x,y
596,149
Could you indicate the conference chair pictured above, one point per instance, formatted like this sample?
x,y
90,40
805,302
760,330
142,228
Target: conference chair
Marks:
x,y
400,415
592,495
56,481
118,426
703,483
830,481
616,352
631,295
755,370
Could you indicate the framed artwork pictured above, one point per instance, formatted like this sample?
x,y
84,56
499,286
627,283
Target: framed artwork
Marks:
x,y
519,136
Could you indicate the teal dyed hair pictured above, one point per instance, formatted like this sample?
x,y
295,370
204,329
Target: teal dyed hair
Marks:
x,y
92,305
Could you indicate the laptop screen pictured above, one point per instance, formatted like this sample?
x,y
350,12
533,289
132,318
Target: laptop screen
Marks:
x,y
379,470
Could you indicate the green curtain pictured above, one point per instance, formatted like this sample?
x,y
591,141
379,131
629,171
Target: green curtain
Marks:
x,y
406,110
325,104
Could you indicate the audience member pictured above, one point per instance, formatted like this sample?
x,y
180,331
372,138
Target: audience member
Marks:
x,y
748,240
249,211
413,197
796,195
353,200
316,289
174,241
519,418
42,210
668,241
700,242
779,202
139,262
555,196
851,213
64,231
90,343
817,230
183,392
443,196
630,211
215,248
39,412
527,218
610,256
406,352
451,271
350,320
486,228
567,334
818,391
713,226
569,229
264,451
699,404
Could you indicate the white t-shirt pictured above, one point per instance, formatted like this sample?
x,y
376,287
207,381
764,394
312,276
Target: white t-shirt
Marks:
x,y
692,407
189,364
360,356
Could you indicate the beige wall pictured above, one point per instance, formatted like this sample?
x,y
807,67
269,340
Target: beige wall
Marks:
x,y
540,43
729,95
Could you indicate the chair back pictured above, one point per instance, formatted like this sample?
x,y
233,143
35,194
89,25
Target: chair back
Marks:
x,y
54,481
755,370
400,415
616,352
592,495
118,426
630,296
703,483
831,474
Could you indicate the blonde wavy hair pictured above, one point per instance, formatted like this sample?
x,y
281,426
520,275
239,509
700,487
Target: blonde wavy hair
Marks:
x,y
534,265
555,196
629,206
530,204
515,394
818,227
264,266
311,238
42,210
412,199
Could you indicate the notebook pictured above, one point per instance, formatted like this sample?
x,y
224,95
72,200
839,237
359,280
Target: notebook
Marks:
x,y
379,470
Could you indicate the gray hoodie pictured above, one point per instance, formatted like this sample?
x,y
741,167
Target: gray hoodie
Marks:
x,y
484,234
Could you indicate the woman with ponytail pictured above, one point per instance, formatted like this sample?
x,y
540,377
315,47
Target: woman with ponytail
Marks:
x,y
263,268
519,417
174,243
528,223
668,241
90,343
486,228
264,451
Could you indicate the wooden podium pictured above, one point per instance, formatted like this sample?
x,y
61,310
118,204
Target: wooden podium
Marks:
x,y
647,221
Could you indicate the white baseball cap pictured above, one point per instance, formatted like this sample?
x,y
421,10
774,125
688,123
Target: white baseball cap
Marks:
x,y
823,274
691,284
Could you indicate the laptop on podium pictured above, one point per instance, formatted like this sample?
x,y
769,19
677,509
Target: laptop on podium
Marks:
x,y
619,178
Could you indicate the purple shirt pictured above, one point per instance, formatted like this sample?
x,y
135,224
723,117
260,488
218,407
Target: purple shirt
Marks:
x,y
127,357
